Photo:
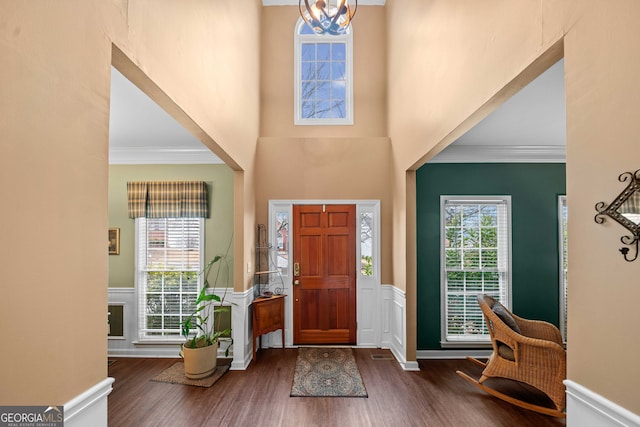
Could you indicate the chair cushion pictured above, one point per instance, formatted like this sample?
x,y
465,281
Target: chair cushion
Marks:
x,y
505,316
506,352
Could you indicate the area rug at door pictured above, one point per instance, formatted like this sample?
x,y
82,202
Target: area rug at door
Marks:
x,y
327,372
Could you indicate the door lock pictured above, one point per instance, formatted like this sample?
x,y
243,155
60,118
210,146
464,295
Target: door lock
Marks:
x,y
296,268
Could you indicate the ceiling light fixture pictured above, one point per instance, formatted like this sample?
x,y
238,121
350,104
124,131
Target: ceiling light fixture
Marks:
x,y
323,18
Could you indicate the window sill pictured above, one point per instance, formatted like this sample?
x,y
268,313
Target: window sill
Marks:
x,y
465,344
158,342
323,122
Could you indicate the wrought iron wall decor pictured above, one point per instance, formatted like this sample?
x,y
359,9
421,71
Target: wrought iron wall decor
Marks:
x,y
625,210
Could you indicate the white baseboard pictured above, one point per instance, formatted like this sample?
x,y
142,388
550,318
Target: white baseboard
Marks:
x,y
402,361
452,354
90,407
586,408
241,364
394,325
410,366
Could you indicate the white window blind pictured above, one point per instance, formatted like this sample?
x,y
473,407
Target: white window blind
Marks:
x,y
169,259
475,259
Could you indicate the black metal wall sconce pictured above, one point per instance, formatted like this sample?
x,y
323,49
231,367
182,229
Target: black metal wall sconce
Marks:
x,y
625,210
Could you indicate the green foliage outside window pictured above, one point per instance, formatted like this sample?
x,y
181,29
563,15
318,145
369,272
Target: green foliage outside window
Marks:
x,y
471,257
166,305
367,265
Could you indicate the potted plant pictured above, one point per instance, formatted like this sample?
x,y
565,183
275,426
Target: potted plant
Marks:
x,y
202,328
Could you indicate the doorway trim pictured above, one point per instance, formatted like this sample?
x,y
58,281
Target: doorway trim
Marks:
x,y
368,305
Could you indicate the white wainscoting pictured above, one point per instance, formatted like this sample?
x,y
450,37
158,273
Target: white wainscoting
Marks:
x,y
381,324
241,329
129,346
586,408
368,313
386,307
123,346
394,325
90,407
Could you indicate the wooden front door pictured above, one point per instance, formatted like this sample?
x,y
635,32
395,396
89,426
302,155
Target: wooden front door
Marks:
x,y
324,274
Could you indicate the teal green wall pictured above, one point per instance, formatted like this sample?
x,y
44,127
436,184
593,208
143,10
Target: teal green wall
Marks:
x,y
218,227
534,191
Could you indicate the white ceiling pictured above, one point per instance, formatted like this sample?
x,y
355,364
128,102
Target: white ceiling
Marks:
x,y
140,132
529,127
533,116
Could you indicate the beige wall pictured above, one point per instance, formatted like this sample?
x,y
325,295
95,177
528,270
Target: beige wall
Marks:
x,y
202,41
447,59
218,227
277,76
203,72
324,162
603,107
54,104
327,168
450,63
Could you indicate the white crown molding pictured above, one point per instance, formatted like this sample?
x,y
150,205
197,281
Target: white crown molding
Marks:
x,y
161,156
452,154
295,2
502,154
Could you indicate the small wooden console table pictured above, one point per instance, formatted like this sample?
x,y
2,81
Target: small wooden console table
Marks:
x,y
268,316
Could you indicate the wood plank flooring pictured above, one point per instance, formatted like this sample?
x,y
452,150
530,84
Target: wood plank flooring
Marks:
x,y
259,396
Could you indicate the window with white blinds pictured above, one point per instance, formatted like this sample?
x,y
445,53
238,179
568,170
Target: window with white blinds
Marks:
x,y
169,258
562,220
475,259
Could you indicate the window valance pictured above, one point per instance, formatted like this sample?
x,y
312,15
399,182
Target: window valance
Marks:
x,y
167,199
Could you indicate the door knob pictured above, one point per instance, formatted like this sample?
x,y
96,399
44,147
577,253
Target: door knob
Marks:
x,y
296,282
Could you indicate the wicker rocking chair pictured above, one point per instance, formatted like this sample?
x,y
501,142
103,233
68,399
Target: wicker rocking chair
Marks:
x,y
529,351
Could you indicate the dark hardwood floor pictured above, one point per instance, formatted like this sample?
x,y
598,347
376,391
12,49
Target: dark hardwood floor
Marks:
x,y
259,396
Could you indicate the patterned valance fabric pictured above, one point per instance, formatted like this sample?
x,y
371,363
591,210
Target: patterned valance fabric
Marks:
x,y
170,199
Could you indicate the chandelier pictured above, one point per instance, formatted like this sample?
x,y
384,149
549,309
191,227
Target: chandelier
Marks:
x,y
323,18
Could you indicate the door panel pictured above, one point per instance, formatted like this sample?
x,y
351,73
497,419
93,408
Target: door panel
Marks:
x,y
337,264
324,293
338,301
311,247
